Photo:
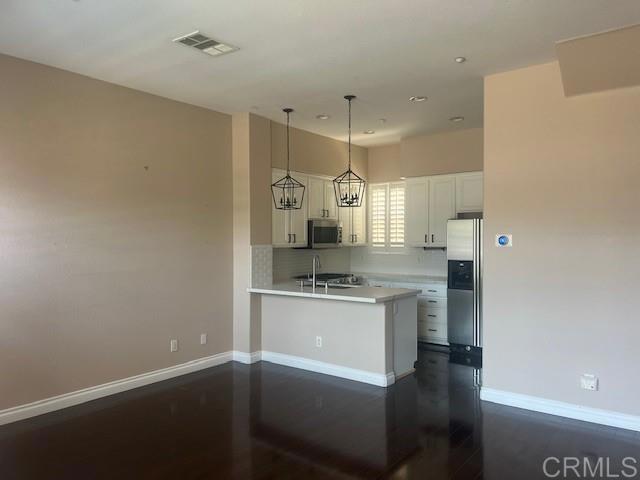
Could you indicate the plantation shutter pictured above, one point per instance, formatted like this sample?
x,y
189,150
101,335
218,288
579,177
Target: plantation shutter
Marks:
x,y
378,215
396,215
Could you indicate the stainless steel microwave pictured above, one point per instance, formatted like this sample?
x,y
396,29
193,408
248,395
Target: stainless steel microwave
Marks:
x,y
324,233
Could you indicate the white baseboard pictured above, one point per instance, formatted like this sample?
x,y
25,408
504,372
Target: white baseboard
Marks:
x,y
245,357
77,397
378,379
562,409
65,400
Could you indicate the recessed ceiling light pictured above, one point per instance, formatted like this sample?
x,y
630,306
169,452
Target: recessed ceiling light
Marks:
x,y
456,119
403,178
323,116
460,59
417,99
369,132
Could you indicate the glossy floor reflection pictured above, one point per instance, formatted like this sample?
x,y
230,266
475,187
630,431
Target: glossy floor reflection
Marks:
x,y
267,421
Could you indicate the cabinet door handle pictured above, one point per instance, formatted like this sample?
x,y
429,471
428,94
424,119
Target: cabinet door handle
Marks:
x,y
356,238
432,301
429,315
432,329
294,238
425,238
433,238
431,291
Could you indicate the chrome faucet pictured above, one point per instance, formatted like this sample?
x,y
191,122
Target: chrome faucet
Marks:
x,y
315,265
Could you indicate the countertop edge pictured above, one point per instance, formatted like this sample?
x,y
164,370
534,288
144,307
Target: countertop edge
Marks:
x,y
341,298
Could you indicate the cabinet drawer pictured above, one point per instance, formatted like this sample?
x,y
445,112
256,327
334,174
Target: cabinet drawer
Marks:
x,y
432,330
433,315
433,290
432,302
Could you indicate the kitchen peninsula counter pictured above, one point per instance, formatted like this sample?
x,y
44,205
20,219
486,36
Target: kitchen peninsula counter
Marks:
x,y
366,334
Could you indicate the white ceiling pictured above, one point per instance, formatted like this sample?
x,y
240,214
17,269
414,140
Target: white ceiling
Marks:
x,y
308,53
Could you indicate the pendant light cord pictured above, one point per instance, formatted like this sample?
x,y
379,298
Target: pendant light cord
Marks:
x,y
350,134
288,155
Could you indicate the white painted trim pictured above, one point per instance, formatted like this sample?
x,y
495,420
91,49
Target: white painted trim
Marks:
x,y
70,399
562,409
245,357
364,376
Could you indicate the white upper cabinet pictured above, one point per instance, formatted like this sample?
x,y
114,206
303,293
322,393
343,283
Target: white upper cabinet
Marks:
x,y
289,227
330,203
354,226
431,201
316,197
322,201
297,222
279,236
442,207
416,212
469,192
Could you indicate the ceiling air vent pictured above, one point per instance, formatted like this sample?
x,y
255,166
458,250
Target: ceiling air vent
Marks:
x,y
205,44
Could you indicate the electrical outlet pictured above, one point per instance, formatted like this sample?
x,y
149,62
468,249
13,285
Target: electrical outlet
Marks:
x,y
319,342
589,382
174,345
203,339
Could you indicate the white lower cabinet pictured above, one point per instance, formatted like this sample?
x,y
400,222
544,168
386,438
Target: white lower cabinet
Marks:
x,y
432,319
432,308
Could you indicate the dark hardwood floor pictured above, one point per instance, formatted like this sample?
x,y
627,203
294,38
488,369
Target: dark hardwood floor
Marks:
x,y
267,421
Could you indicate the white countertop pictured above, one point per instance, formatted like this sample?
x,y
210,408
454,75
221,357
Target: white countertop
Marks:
x,y
404,277
354,294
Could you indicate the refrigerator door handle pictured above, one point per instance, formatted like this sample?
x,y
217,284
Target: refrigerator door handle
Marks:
x,y
477,287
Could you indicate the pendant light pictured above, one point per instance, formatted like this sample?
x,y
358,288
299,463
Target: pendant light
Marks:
x,y
349,187
288,193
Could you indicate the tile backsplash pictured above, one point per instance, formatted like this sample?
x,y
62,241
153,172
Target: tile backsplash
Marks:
x,y
288,262
261,266
413,261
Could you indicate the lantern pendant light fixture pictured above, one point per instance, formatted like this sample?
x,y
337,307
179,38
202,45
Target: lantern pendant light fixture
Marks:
x,y
288,193
349,187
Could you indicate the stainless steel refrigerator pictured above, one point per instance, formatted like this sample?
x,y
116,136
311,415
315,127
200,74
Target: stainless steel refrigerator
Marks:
x,y
464,294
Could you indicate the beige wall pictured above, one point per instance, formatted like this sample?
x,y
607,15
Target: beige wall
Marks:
x,y
448,152
384,163
290,326
440,153
311,153
251,220
103,261
563,176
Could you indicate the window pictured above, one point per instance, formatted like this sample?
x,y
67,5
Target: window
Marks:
x,y
387,216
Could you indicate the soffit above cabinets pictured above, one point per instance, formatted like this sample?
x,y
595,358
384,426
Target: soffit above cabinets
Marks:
x,y
604,61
